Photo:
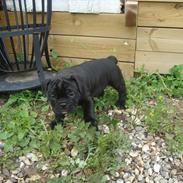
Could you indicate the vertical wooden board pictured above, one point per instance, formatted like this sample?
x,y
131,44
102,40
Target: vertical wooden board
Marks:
x,y
160,39
157,61
160,14
93,47
103,25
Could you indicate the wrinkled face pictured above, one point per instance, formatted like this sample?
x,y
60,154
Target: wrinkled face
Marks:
x,y
63,95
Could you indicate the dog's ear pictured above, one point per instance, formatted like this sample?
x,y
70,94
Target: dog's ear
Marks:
x,y
78,82
59,83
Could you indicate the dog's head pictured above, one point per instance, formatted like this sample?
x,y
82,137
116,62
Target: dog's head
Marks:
x,y
63,94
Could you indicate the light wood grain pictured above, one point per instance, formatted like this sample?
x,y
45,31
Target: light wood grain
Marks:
x,y
157,61
160,14
102,25
160,39
93,47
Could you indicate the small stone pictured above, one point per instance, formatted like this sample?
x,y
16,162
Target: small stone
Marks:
x,y
158,178
163,181
147,180
15,172
25,160
165,174
34,178
107,178
116,174
22,165
9,181
1,145
145,148
64,173
128,161
110,112
126,175
74,152
32,157
6,172
150,171
104,128
157,167
120,181
136,171
174,172
140,177
1,179
130,179
44,167
134,154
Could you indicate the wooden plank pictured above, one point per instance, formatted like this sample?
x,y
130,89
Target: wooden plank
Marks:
x,y
126,68
103,25
157,61
160,14
160,39
100,25
93,47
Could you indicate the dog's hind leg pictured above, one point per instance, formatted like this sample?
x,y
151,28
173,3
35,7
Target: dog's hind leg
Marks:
x,y
89,113
118,83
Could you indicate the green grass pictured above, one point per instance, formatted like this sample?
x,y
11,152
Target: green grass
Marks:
x,y
24,128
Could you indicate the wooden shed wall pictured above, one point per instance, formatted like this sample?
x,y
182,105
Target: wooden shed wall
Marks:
x,y
156,43
80,37
159,34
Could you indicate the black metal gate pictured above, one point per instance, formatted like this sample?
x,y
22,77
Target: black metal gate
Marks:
x,y
23,42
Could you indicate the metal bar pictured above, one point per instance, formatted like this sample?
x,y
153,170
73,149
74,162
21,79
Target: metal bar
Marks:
x,y
9,29
4,28
27,36
17,27
4,55
34,26
23,36
38,59
25,32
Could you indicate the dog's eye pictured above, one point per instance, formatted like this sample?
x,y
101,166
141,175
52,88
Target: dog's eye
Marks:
x,y
71,94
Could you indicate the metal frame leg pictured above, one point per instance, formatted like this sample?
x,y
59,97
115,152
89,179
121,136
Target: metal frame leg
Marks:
x,y
37,53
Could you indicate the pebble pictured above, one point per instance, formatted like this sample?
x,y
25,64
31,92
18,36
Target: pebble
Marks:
x,y
145,148
134,154
74,152
64,173
120,181
157,167
32,157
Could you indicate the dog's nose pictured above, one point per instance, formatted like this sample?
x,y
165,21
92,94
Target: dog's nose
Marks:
x,y
63,105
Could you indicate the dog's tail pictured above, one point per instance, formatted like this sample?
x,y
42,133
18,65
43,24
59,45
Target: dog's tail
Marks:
x,y
113,58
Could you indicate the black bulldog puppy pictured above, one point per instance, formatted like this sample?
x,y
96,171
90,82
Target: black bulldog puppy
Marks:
x,y
78,85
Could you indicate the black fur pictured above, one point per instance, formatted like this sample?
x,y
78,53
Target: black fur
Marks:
x,y
78,85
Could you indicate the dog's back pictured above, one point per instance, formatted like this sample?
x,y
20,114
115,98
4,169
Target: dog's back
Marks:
x,y
96,74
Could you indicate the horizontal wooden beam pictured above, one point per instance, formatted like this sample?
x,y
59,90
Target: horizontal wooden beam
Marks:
x,y
93,47
160,14
157,61
160,39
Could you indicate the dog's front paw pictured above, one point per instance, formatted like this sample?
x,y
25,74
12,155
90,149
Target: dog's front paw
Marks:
x,y
53,124
120,104
94,124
